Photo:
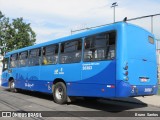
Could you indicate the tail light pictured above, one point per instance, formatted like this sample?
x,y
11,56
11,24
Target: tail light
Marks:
x,y
126,67
125,72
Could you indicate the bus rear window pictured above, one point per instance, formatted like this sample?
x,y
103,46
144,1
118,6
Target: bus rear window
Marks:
x,y
151,40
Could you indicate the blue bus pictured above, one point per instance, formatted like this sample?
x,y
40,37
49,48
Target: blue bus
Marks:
x,y
116,60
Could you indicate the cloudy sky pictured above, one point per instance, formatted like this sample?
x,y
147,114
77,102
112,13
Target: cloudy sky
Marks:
x,y
51,19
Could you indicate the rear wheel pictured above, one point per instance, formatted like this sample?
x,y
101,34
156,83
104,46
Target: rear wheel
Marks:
x,y
60,93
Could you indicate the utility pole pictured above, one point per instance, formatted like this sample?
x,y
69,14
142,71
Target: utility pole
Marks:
x,y
113,6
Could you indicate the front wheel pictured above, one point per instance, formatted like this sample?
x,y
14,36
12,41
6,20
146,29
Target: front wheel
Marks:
x,y
60,93
12,86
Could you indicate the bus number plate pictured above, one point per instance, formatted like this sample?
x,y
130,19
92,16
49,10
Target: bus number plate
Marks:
x,y
147,89
87,67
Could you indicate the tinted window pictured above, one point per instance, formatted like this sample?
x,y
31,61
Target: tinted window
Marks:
x,y
50,54
100,47
71,51
5,64
34,57
23,59
14,61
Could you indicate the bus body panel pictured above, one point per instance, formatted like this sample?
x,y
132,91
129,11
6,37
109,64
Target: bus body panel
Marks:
x,y
24,77
5,78
130,90
140,57
69,72
97,78
142,72
101,72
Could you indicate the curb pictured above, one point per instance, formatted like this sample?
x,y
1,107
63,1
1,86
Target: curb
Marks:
x,y
135,102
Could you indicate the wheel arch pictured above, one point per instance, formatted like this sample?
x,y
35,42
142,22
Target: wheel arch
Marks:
x,y
10,79
58,80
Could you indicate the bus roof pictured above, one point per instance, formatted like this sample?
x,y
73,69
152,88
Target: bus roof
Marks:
x,y
109,27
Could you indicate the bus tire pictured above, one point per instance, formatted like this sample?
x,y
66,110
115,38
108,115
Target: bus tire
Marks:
x,y
60,93
12,86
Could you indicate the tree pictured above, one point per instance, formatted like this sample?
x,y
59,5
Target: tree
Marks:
x,y
15,34
4,24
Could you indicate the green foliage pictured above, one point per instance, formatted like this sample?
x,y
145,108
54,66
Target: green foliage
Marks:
x,y
15,34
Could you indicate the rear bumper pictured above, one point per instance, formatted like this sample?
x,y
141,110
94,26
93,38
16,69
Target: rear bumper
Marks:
x,y
124,89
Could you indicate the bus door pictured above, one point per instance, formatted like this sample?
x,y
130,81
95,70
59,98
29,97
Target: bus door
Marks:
x,y
5,73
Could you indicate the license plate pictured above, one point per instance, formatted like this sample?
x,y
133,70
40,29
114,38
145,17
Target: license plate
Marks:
x,y
147,89
144,79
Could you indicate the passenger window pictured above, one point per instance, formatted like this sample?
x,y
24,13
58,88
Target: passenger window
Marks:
x,y
71,51
14,61
50,54
100,47
34,57
23,59
5,64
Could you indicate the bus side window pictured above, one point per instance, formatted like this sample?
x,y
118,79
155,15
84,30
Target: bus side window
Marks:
x,y
50,54
71,51
23,59
14,60
112,45
5,64
100,47
34,57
